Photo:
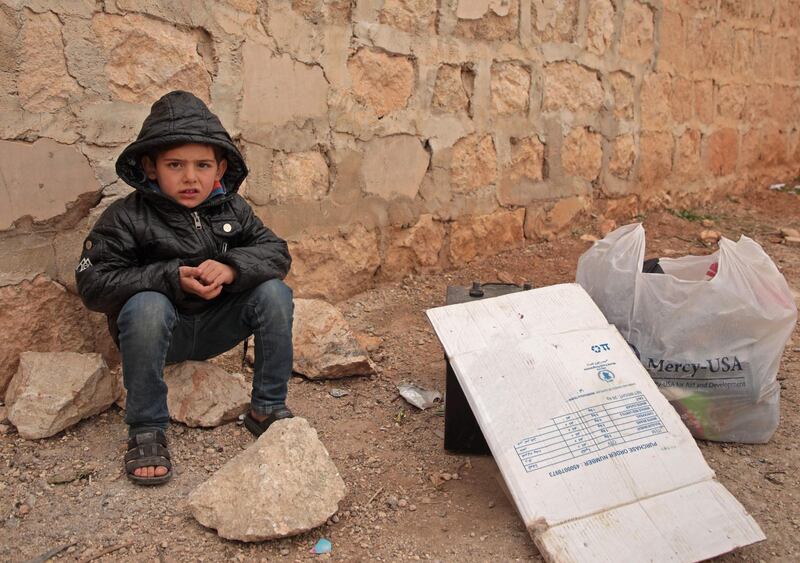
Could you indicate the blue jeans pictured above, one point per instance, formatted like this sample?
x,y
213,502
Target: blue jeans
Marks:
x,y
153,333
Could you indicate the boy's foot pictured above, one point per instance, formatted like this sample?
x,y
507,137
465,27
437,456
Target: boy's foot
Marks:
x,y
148,461
258,423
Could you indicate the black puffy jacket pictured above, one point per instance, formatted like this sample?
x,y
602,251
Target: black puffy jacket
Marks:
x,y
140,241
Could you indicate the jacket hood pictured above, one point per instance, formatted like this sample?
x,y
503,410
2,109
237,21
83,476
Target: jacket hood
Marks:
x,y
180,117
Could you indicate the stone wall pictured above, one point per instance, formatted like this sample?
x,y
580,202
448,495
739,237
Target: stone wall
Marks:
x,y
387,137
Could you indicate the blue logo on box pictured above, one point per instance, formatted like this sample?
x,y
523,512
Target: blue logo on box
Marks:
x,y
597,348
606,375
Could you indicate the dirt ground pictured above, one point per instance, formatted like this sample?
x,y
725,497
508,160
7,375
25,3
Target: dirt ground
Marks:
x,y
408,499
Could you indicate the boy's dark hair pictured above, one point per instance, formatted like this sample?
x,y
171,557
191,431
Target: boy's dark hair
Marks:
x,y
220,154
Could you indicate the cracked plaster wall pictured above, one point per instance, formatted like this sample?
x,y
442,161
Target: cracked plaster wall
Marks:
x,y
387,136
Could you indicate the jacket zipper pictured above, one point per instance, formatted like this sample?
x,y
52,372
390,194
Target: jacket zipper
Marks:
x,y
199,226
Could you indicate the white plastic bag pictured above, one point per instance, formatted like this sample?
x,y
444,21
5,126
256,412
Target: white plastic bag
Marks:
x,y
711,336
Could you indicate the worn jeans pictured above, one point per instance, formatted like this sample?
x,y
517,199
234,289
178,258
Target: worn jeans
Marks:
x,y
153,333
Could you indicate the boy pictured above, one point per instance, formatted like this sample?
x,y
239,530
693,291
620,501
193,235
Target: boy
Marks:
x,y
184,270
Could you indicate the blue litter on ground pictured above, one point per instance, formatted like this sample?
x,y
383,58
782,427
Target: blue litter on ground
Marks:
x,y
322,546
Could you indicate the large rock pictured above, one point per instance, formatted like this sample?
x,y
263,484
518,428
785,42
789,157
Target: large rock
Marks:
x,y
53,390
636,41
383,81
324,345
202,394
40,315
487,19
282,485
599,26
41,179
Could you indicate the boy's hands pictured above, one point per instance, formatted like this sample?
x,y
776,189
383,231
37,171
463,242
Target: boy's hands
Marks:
x,y
207,279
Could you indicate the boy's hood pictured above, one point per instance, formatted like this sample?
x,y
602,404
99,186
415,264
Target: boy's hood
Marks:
x,y
180,117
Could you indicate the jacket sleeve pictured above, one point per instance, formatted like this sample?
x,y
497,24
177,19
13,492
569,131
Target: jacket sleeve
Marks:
x,y
109,273
261,254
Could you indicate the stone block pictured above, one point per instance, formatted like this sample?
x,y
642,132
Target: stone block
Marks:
x,y
763,46
623,156
681,99
655,160
9,27
43,82
510,88
413,16
672,48
41,179
173,60
277,90
25,256
258,186
636,40
334,266
757,107
394,166
704,101
555,20
385,82
600,26
565,212
52,391
735,8
722,151
687,155
787,52
414,249
582,153
300,175
698,36
324,345
656,101
485,235
622,88
527,159
743,51
570,86
730,100
453,88
499,19
474,163
763,147
722,48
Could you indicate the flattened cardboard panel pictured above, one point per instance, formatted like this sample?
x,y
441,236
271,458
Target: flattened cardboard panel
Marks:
x,y
574,422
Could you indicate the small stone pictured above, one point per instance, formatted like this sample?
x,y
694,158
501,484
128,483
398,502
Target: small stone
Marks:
x,y
392,502
709,236
446,476
335,518
589,238
707,223
24,509
491,504
284,552
5,428
792,241
606,227
412,507
202,394
787,232
402,503
381,514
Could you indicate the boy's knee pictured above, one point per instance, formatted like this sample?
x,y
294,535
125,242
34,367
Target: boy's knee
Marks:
x,y
147,311
274,297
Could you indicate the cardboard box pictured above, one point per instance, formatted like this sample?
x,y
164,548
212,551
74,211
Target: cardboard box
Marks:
x,y
598,463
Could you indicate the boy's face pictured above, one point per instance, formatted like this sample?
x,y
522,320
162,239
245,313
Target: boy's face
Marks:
x,y
186,173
